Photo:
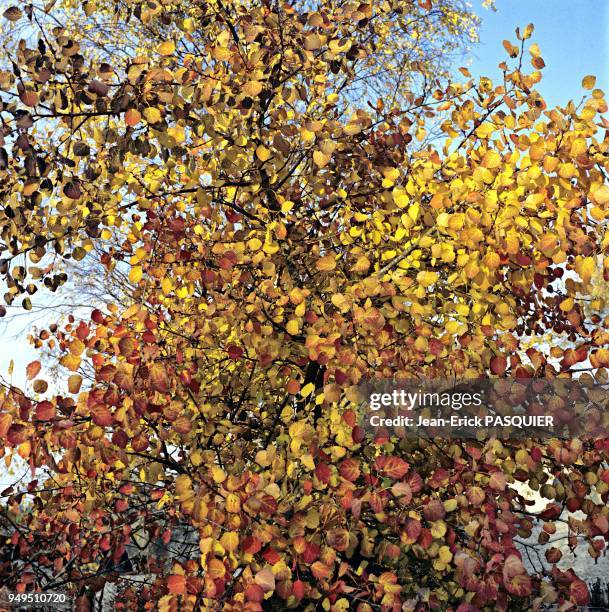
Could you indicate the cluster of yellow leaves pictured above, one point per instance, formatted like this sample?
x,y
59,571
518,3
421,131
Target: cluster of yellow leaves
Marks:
x,y
277,247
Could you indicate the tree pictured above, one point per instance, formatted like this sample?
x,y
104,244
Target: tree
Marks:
x,y
282,244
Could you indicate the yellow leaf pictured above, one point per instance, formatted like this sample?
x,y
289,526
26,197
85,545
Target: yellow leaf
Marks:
x,y
254,244
167,47
492,260
230,541
293,327
218,474
444,554
70,361
135,274
252,88
307,390
152,114
443,219
166,285
183,487
485,130
491,160
438,529
426,278
74,383
220,53
585,268
400,197
391,174
567,304
307,461
262,153
601,194
320,158
326,263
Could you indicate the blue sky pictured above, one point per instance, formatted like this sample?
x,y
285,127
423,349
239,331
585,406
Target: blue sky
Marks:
x,y
572,36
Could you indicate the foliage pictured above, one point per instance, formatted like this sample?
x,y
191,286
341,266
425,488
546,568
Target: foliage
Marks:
x,y
283,243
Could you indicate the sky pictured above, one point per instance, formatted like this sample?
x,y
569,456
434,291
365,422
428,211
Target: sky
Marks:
x,y
572,36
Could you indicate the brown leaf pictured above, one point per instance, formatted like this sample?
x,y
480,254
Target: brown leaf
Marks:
x,y
13,13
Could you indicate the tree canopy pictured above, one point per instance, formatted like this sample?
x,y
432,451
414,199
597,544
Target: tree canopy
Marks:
x,y
300,199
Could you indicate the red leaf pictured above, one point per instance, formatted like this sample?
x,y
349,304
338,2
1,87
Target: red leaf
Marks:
x,y
254,592
298,589
311,553
97,317
140,443
498,365
101,416
413,529
323,473
127,346
251,545
45,411
600,521
516,580
17,434
338,539
425,539
392,467
271,556
349,469
320,570
235,352
434,510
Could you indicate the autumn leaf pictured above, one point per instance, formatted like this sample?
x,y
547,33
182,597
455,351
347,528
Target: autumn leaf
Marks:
x,y
45,411
132,117
588,82
33,369
176,584
265,579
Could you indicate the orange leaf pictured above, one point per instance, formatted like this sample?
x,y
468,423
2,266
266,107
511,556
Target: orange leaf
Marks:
x,y
133,117
177,584
158,378
74,382
216,569
32,369
5,422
